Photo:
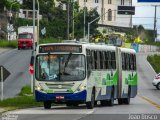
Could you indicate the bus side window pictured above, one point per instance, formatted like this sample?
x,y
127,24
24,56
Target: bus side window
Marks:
x,y
92,59
127,61
134,60
123,61
104,60
95,60
107,60
101,59
88,59
113,60
89,64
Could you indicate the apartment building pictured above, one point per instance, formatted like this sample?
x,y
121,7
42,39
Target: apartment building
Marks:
x,y
107,9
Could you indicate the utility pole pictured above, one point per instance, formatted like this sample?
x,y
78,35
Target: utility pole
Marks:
x,y
84,18
68,19
38,23
34,47
102,12
131,17
73,20
155,23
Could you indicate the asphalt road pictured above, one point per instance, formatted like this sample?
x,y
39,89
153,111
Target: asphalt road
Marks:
x,y
17,63
146,102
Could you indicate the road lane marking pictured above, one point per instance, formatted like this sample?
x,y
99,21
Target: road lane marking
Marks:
x,y
151,102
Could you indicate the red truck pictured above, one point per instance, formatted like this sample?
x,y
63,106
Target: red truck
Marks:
x,y
25,37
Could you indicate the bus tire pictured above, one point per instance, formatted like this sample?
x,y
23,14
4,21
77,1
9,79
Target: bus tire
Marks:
x,y
47,104
127,100
75,104
95,103
111,101
120,101
68,104
90,105
104,102
18,48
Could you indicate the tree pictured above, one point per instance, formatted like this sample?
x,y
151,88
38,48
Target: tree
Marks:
x,y
7,4
79,21
55,18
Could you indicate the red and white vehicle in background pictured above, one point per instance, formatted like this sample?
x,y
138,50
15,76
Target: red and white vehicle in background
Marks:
x,y
156,81
25,37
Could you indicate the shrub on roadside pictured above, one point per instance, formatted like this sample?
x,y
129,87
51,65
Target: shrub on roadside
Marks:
x,y
154,60
9,44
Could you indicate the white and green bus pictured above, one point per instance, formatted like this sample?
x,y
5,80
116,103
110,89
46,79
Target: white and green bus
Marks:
x,y
73,74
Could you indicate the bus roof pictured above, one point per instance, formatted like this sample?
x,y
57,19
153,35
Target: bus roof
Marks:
x,y
93,46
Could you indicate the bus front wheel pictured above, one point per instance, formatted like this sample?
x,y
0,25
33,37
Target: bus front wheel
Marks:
x,y
47,104
90,105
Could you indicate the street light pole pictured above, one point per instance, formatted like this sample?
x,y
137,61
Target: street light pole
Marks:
x,y
94,21
10,15
34,46
38,23
11,9
89,26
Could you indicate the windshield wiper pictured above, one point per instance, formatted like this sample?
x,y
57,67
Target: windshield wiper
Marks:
x,y
66,63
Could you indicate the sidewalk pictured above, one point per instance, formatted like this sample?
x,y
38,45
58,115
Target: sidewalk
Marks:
x,y
3,50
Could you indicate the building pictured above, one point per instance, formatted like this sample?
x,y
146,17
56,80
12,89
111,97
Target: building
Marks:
x,y
28,14
107,9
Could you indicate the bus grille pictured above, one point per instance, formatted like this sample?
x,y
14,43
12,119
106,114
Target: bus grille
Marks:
x,y
60,86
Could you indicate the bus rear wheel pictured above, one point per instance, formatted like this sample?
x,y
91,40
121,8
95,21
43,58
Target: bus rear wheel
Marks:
x,y
120,101
104,103
47,104
127,100
90,105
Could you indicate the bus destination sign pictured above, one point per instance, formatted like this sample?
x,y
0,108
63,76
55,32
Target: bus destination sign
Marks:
x,y
60,48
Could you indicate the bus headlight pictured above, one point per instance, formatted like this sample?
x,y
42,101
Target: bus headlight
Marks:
x,y
39,88
81,87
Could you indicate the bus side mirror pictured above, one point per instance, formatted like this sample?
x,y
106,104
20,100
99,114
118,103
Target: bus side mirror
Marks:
x,y
31,65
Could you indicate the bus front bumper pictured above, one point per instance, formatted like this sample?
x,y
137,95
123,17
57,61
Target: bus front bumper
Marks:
x,y
60,97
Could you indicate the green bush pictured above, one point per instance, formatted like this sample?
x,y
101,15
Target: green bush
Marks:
x,y
26,90
154,60
10,44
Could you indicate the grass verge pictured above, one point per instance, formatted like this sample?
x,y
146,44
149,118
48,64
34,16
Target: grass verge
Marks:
x,y
154,60
9,44
24,100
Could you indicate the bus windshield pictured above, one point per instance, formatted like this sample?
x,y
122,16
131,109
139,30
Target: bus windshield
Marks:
x,y
66,67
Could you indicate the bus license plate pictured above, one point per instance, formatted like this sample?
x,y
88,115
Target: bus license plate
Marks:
x,y
59,97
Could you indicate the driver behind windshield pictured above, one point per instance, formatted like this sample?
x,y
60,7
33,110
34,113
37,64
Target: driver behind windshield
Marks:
x,y
49,67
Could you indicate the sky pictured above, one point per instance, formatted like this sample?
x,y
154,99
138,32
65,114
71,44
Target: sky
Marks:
x,y
144,14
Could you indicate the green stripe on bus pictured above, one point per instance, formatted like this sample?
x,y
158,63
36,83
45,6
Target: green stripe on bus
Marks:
x,y
133,81
111,80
